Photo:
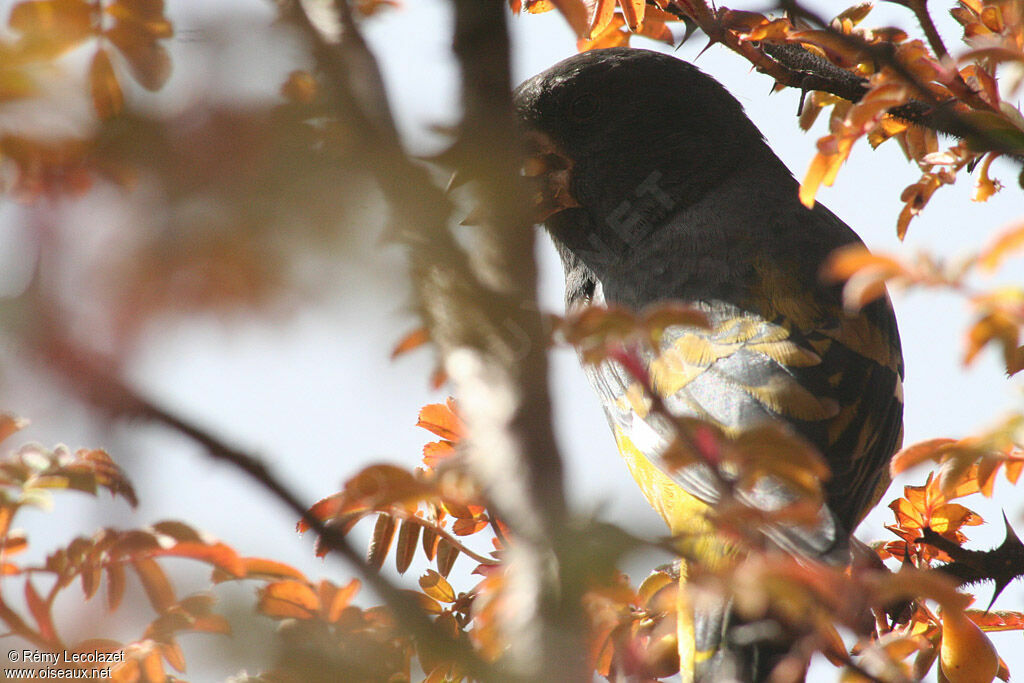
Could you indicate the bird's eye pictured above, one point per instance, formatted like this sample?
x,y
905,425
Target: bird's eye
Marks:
x,y
583,107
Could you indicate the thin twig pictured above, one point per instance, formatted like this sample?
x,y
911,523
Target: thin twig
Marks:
x,y
793,66
91,377
443,533
924,18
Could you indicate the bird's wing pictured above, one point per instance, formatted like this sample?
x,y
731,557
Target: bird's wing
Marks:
x,y
837,385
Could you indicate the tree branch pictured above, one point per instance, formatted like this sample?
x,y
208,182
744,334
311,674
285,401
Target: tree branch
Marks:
x,y
92,378
1000,565
481,312
793,66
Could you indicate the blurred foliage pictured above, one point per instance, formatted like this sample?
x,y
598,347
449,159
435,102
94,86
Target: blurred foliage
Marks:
x,y
229,203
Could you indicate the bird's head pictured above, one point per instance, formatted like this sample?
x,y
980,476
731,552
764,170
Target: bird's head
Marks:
x,y
619,138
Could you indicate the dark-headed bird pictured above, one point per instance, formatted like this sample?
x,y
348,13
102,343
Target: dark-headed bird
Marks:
x,y
655,187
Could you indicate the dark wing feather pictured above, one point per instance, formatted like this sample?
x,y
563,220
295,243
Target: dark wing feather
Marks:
x,y
838,387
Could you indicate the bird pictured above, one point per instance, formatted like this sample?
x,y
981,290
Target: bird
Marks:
x,y
656,187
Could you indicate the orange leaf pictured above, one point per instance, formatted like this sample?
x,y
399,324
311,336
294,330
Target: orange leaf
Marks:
x,y
342,599
916,197
954,481
149,62
532,6
633,12
467,527
446,556
179,531
173,654
127,671
408,538
995,326
410,341
380,541
288,599
436,451
10,424
987,469
865,274
40,612
1009,241
952,516
301,87
907,515
157,586
916,454
155,582
115,585
260,568
378,487
742,20
997,621
107,98
601,13
137,10
426,603
770,30
442,420
219,555
430,541
14,543
855,13
652,586
613,35
461,510
90,578
56,24
437,587
152,668
820,165
1013,470
986,186
324,509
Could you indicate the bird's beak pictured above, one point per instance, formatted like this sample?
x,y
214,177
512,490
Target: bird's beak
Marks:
x,y
549,172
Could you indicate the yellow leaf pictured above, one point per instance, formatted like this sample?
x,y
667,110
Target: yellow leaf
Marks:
x,y
986,186
854,14
54,25
966,654
437,587
997,326
812,180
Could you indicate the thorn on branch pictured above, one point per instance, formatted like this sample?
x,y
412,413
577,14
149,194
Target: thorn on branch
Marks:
x,y
1000,565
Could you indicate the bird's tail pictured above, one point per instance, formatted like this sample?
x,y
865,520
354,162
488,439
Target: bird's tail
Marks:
x,y
716,646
